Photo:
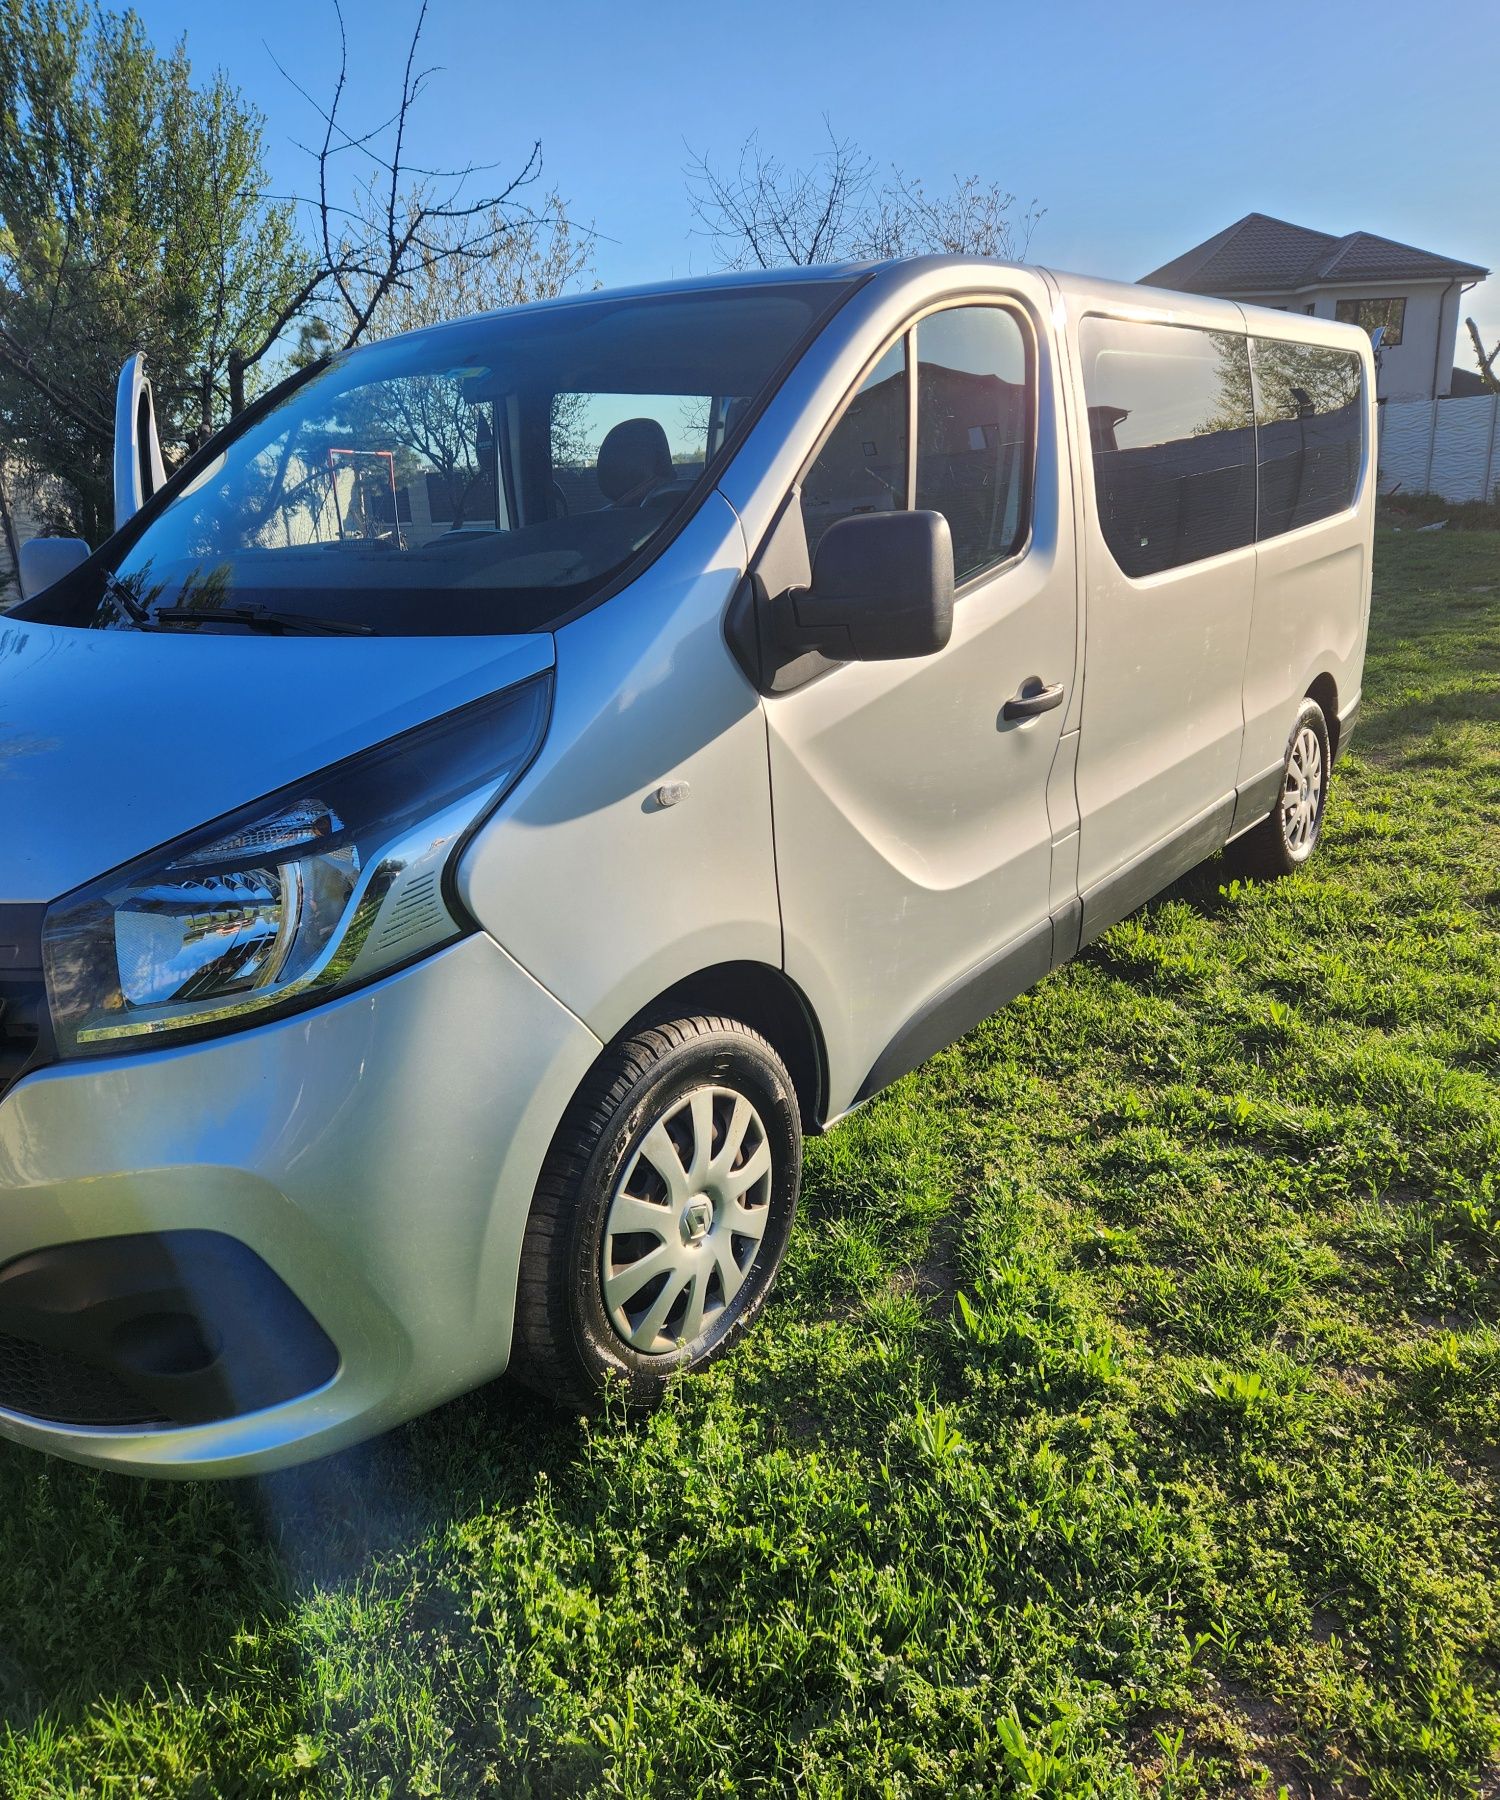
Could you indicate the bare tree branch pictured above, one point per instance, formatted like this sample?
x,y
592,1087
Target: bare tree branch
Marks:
x,y
970,219
1487,358
764,213
404,219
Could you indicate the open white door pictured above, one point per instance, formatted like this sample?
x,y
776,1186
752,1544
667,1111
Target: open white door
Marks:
x,y
139,470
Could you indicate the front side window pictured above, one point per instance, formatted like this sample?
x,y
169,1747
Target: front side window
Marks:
x,y
974,449
1171,426
1386,316
1310,431
975,437
486,476
862,466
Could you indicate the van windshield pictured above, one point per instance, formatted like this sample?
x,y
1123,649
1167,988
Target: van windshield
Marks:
x,y
481,477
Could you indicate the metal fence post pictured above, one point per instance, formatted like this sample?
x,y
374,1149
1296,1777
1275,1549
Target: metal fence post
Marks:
x,y
1431,445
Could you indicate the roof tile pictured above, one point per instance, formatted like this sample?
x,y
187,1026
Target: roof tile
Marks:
x,y
1262,255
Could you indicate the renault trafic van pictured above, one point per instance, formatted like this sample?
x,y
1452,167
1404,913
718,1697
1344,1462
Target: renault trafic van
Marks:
x,y
471,822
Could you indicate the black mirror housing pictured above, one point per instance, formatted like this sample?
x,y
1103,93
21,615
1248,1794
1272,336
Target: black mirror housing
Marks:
x,y
882,588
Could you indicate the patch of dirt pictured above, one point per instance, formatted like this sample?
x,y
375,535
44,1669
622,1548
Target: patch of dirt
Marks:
x,y
1269,1747
1326,1625
933,1277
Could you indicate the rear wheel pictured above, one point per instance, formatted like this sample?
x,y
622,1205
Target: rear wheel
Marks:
x,y
661,1213
1283,841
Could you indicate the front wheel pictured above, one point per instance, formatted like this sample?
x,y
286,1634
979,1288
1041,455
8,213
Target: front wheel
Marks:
x,y
661,1213
1282,842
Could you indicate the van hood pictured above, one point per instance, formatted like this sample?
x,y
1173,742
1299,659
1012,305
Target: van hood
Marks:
x,y
112,742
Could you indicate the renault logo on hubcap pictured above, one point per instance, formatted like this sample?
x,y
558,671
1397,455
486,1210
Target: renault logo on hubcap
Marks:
x,y
697,1216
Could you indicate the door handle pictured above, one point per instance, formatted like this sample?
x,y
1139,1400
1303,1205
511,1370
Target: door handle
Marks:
x,y
1031,698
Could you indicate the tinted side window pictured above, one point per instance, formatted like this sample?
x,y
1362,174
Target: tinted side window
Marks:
x,y
1173,439
862,467
1311,428
974,431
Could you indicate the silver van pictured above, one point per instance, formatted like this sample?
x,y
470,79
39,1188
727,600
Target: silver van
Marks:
x,y
471,822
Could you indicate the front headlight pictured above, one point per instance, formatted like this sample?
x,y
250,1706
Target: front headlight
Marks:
x,y
303,894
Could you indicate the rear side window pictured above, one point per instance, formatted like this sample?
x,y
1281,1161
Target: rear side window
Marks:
x,y
1311,431
1171,425
974,431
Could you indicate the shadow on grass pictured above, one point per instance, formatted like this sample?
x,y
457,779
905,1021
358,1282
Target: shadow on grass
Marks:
x,y
1407,725
172,1586
1201,889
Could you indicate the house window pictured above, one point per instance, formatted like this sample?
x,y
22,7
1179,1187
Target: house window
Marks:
x,y
1374,313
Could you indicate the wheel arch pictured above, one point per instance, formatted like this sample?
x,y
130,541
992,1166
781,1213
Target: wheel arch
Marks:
x,y
767,1000
1324,689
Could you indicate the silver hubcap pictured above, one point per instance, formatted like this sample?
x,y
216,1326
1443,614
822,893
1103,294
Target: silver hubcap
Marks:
x,y
1302,797
686,1220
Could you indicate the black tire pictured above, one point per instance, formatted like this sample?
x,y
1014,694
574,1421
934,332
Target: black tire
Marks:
x,y
1279,846
567,1344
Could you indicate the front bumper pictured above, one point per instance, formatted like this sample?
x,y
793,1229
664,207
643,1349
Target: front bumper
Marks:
x,y
377,1155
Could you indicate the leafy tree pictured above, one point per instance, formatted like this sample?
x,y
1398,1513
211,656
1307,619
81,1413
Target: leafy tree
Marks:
x,y
132,216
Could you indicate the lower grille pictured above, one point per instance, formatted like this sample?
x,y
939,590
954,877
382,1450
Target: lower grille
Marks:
x,y
64,1390
24,1034
157,1328
21,1005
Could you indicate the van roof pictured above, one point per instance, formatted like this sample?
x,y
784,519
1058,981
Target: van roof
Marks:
x,y
827,274
1115,294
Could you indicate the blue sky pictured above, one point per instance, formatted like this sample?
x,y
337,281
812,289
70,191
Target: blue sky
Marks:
x,y
1140,128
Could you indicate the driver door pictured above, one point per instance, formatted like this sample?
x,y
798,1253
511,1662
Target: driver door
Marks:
x,y
916,819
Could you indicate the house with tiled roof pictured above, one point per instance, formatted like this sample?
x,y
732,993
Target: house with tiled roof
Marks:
x,y
1412,295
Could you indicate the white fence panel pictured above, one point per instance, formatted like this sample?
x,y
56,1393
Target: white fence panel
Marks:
x,y
1405,444
1449,447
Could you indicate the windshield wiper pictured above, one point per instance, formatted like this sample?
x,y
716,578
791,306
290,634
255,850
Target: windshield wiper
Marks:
x,y
258,619
125,599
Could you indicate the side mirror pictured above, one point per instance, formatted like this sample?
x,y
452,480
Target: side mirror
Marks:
x,y
139,470
882,588
43,560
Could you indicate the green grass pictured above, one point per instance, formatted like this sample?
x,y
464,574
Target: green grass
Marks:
x,y
1128,1419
